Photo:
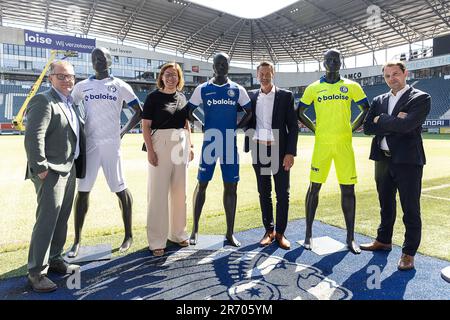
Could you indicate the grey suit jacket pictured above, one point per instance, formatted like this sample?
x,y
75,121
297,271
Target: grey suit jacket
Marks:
x,y
50,141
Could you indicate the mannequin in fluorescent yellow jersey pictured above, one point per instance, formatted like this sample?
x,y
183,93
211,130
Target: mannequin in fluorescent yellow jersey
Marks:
x,y
332,96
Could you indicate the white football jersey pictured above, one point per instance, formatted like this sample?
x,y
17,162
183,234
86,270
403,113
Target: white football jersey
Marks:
x,y
103,102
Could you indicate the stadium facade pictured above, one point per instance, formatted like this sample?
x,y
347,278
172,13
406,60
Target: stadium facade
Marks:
x,y
24,53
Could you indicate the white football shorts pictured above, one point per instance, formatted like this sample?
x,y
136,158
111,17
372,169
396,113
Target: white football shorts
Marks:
x,y
106,156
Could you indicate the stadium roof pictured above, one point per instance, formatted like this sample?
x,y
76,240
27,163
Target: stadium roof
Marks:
x,y
299,32
257,8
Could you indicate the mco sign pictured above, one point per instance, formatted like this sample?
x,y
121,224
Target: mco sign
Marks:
x,y
58,42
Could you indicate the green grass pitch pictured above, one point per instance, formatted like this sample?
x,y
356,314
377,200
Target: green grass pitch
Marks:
x,y
104,224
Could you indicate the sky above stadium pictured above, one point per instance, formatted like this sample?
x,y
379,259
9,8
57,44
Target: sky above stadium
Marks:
x,y
248,9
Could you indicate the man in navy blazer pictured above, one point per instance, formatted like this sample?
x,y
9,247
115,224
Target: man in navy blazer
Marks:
x,y
396,118
272,138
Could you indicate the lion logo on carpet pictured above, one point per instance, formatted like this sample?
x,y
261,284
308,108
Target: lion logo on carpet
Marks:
x,y
224,274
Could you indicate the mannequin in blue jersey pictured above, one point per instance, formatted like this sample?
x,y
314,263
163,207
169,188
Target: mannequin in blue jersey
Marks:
x,y
101,62
332,64
220,80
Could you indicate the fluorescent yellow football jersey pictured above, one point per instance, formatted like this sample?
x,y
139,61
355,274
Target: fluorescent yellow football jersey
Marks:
x,y
332,104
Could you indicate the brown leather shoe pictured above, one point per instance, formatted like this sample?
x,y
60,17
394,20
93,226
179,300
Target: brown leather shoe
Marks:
x,y
62,267
282,241
40,283
406,262
375,246
268,238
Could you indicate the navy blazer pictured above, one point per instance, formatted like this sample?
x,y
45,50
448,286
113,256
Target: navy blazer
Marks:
x,y
403,136
283,118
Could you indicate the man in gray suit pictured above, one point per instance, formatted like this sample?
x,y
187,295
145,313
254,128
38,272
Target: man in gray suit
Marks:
x,y
54,141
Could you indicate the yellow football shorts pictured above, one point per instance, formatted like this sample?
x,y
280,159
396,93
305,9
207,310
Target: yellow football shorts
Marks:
x,y
344,162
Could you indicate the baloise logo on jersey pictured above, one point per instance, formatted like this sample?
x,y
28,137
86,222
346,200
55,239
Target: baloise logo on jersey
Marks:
x,y
211,102
332,97
100,96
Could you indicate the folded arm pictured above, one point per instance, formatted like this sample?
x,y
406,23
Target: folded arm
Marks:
x,y
370,127
415,116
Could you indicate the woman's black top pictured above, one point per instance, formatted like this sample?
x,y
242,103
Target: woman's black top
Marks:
x,y
167,111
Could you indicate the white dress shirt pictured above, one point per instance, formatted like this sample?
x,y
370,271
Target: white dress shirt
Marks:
x,y
264,111
393,99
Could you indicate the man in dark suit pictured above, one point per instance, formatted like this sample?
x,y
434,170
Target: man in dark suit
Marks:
x,y
54,140
272,138
396,118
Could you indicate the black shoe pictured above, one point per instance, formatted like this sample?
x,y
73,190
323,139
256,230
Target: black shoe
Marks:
x,y
62,267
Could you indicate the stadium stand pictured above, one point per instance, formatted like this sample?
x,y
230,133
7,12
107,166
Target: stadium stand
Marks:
x,y
12,97
439,90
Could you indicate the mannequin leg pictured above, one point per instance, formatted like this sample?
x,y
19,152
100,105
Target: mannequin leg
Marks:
x,y
348,203
81,207
229,203
126,205
311,203
199,201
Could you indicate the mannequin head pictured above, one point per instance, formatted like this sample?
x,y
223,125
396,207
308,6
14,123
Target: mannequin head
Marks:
x,y
221,64
101,61
332,64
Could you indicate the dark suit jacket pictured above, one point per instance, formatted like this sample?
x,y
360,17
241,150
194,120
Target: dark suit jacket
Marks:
x,y
50,141
283,118
403,136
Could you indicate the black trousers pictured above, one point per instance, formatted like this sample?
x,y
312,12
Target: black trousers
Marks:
x,y
265,169
407,179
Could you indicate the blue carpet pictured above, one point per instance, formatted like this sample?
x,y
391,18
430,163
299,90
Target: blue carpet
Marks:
x,y
213,270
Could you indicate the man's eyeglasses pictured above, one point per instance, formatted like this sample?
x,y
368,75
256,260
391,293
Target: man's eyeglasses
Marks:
x,y
61,76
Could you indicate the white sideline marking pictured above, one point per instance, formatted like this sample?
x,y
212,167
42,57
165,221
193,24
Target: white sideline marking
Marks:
x,y
442,186
433,197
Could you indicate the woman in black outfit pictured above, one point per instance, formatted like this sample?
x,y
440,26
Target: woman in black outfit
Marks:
x,y
167,138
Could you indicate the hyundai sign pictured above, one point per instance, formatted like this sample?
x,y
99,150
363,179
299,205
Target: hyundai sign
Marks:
x,y
436,123
58,42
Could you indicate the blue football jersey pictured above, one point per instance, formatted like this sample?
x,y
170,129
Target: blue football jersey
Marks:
x,y
220,103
